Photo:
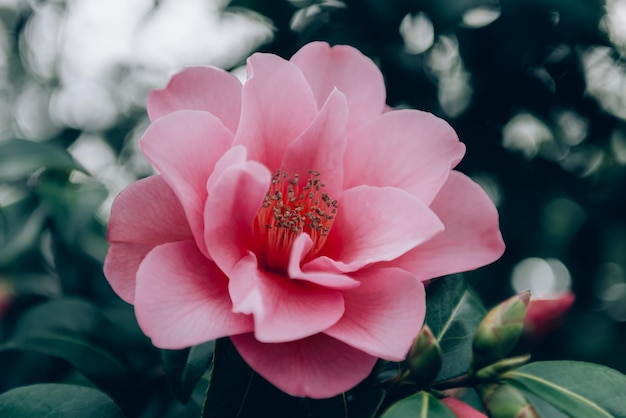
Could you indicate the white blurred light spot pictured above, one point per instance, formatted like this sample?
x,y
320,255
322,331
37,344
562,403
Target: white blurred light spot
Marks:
x,y
573,126
187,32
31,113
453,81
481,16
84,105
614,22
605,79
545,278
525,133
418,33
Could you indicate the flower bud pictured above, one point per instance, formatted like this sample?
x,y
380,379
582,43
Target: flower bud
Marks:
x,y
505,401
500,330
544,315
425,358
460,409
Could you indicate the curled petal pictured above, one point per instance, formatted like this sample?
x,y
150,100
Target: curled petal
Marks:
x,y
184,147
315,367
209,89
345,68
182,298
233,203
408,149
322,277
383,315
283,309
277,106
377,224
471,239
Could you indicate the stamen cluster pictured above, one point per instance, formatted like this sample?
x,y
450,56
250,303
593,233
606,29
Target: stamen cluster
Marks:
x,y
293,206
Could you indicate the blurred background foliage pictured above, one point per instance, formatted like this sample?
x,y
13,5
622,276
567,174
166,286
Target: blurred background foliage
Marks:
x,y
536,89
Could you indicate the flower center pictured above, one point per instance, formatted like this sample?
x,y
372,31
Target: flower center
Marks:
x,y
292,206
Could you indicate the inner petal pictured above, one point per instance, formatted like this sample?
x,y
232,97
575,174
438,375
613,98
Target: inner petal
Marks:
x,y
293,205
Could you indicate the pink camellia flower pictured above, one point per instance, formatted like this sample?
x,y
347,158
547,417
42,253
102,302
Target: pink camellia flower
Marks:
x,y
296,215
461,409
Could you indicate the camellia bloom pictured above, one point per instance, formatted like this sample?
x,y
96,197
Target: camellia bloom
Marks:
x,y
295,214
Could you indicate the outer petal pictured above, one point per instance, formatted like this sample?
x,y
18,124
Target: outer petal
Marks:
x,y
471,238
408,149
145,214
383,315
321,147
121,265
377,224
184,147
323,277
315,367
347,69
233,203
283,309
199,88
461,409
148,212
182,298
277,106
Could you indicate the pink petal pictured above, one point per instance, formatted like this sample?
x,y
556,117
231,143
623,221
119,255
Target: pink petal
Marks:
x,y
461,409
184,147
383,315
408,149
233,203
377,224
182,298
315,367
321,147
121,265
348,70
235,156
283,309
277,106
471,238
199,88
322,277
148,211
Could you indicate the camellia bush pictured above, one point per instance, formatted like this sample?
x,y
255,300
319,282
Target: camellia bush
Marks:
x,y
300,248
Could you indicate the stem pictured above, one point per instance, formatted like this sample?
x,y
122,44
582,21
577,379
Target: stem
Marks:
x,y
464,380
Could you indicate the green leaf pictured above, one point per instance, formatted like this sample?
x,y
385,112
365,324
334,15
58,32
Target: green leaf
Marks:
x,y
453,313
20,159
420,405
184,368
580,390
235,390
74,331
57,401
